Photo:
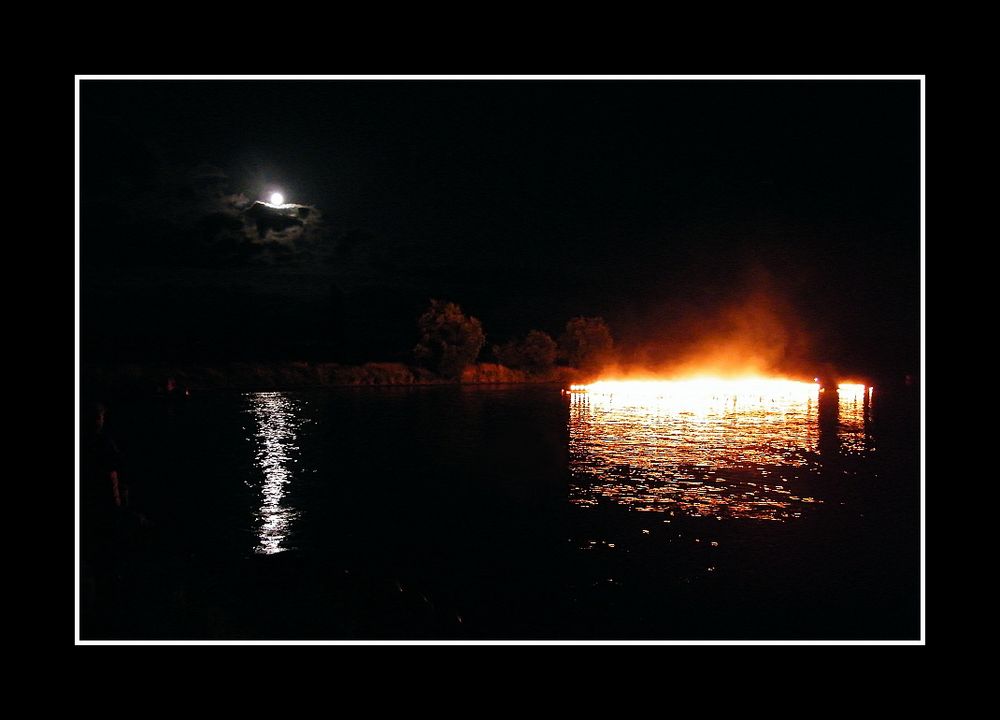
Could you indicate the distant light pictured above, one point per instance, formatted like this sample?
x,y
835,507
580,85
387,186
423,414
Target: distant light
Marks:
x,y
277,199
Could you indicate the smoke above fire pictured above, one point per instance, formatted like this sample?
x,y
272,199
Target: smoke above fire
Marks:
x,y
753,331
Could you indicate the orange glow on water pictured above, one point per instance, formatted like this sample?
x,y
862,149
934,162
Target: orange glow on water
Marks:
x,y
747,447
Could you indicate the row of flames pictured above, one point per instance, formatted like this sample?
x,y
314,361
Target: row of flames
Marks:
x,y
701,389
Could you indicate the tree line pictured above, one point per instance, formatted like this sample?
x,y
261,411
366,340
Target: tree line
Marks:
x,y
450,341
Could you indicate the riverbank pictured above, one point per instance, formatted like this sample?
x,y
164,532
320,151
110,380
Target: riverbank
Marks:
x,y
192,377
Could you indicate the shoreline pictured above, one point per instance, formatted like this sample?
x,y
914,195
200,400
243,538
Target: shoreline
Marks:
x,y
181,378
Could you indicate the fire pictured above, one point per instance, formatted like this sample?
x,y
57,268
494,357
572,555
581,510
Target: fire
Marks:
x,y
700,394
852,391
759,389
700,386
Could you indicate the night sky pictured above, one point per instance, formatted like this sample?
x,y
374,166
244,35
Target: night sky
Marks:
x,y
780,210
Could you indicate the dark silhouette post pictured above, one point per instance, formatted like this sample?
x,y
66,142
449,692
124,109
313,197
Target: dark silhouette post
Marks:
x,y
829,417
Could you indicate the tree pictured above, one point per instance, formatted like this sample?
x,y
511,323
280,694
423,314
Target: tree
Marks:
x,y
448,339
536,353
586,343
509,354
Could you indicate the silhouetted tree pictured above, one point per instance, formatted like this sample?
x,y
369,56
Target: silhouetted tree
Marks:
x,y
536,353
586,343
509,353
448,339
539,351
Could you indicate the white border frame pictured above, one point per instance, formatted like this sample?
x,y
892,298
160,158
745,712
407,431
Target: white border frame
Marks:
x,y
923,362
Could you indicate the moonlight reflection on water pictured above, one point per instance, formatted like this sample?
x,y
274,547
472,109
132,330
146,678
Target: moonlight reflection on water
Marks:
x,y
278,417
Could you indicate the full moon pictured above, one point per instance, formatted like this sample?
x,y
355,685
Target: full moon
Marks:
x,y
277,199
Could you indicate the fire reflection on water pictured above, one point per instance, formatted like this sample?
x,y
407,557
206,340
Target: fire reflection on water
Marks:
x,y
852,415
729,449
278,418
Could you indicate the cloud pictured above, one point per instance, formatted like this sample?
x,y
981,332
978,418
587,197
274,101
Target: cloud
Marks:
x,y
192,217
284,224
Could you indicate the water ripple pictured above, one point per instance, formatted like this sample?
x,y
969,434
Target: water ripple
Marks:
x,y
710,451
278,419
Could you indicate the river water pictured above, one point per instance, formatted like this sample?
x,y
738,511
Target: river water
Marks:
x,y
517,512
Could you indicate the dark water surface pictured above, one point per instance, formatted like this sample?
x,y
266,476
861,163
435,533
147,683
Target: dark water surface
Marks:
x,y
516,512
